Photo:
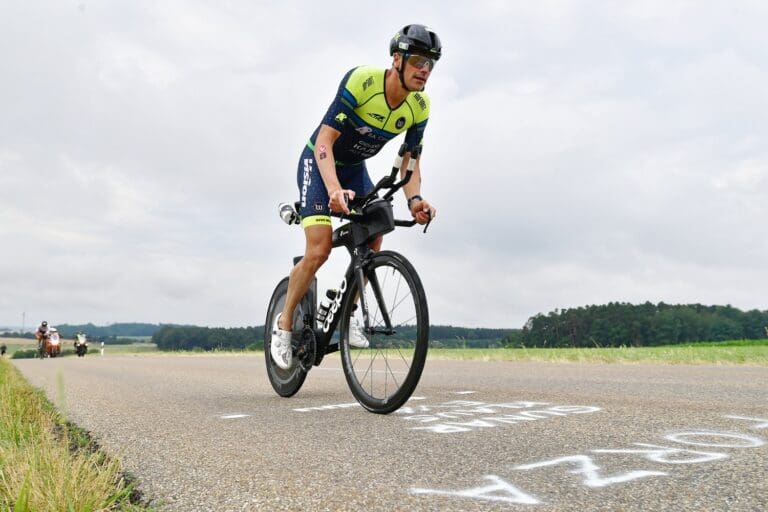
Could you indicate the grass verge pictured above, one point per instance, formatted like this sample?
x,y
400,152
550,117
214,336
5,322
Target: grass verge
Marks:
x,y
747,353
47,464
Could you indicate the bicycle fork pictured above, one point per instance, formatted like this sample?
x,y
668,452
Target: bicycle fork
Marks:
x,y
373,280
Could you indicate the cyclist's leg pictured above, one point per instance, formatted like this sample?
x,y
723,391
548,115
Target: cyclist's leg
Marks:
x,y
318,248
316,221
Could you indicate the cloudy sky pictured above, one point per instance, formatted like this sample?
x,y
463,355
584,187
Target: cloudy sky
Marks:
x,y
578,153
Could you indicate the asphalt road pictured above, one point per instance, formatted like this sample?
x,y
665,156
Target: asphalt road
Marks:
x,y
208,433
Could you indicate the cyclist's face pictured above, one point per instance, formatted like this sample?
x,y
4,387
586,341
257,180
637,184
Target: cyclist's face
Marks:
x,y
416,71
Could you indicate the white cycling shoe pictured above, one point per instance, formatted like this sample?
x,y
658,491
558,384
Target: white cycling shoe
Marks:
x,y
280,346
356,335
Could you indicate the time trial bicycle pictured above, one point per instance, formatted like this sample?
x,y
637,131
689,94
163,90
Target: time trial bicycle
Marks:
x,y
380,294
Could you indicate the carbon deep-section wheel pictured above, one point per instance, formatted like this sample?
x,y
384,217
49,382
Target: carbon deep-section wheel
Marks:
x,y
285,382
383,375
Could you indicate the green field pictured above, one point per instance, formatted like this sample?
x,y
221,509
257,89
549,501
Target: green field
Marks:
x,y
734,352
740,352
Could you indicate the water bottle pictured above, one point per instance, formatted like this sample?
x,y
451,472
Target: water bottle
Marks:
x,y
322,311
326,305
288,213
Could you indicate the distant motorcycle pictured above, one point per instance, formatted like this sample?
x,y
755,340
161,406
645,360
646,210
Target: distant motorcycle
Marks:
x,y
50,345
81,345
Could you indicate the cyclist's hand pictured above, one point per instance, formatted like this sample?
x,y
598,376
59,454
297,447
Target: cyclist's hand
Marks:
x,y
339,199
422,211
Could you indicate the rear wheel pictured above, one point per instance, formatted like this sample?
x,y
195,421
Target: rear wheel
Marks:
x,y
383,376
285,382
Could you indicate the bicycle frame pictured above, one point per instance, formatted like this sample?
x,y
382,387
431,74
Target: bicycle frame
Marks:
x,y
356,238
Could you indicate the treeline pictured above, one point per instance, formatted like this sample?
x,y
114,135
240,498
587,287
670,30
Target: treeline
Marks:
x,y
208,338
448,336
113,330
621,324
205,338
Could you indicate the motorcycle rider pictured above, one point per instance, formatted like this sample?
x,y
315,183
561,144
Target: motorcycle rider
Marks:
x,y
81,343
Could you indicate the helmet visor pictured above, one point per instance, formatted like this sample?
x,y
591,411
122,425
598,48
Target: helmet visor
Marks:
x,y
419,61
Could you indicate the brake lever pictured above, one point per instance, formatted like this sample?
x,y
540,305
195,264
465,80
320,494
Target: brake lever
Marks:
x,y
428,222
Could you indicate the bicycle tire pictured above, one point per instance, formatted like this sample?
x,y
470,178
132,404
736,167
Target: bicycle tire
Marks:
x,y
383,376
285,382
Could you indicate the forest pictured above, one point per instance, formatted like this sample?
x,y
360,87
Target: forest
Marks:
x,y
621,324
610,325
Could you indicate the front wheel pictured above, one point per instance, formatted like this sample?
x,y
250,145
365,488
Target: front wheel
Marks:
x,y
285,382
383,375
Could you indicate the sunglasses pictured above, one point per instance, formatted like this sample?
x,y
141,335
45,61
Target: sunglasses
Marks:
x,y
419,61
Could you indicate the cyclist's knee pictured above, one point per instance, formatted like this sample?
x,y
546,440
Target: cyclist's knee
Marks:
x,y
319,245
317,253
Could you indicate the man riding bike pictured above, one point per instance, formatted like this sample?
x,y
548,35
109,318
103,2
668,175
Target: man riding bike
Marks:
x,y
371,107
41,332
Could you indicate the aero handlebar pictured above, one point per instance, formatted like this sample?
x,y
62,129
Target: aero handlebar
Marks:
x,y
389,182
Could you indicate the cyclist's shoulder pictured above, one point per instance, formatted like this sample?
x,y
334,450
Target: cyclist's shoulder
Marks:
x,y
419,104
365,80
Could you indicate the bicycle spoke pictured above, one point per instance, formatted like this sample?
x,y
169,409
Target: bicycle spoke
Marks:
x,y
384,374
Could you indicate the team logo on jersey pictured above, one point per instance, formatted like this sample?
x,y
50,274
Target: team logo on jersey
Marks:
x,y
340,118
420,101
377,117
400,123
364,130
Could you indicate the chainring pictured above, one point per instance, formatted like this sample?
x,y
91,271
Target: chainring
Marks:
x,y
306,348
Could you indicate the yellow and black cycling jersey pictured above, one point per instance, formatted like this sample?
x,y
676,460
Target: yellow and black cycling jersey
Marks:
x,y
366,121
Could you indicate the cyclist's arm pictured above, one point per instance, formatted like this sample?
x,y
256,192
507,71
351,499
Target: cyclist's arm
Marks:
x,y
413,187
421,210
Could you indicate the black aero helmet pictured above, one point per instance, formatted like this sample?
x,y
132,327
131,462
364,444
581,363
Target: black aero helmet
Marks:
x,y
416,39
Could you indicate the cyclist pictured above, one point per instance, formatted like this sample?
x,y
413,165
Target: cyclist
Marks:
x,y
371,107
41,332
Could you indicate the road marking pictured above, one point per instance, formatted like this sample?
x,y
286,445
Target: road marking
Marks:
x,y
591,471
761,422
750,442
465,416
234,416
499,490
592,474
328,407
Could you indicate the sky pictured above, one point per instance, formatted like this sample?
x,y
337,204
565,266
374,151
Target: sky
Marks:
x,y
578,152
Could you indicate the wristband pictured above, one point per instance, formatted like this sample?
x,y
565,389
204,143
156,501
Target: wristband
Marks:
x,y
411,199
